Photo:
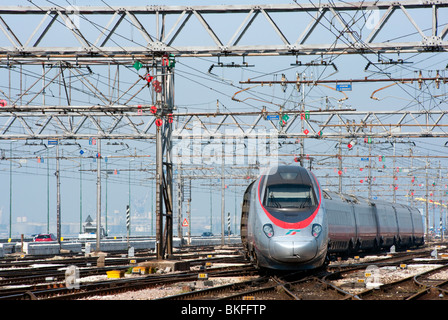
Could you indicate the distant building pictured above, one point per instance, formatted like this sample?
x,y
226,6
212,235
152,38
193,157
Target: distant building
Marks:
x,y
89,230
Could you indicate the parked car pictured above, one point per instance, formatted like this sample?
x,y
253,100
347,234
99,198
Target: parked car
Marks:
x,y
207,234
45,237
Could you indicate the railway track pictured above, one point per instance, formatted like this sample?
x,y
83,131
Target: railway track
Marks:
x,y
48,281
133,284
339,281
321,285
428,285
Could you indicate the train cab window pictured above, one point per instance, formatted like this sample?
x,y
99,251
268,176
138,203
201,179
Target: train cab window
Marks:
x,y
289,196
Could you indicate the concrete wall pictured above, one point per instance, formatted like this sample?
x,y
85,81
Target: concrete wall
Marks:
x,y
72,247
110,245
35,248
10,247
122,245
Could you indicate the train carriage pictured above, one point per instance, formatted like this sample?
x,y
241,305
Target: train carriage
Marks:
x,y
341,223
283,225
418,227
387,224
405,228
289,223
366,224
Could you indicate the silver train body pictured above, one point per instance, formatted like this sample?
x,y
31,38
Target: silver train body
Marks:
x,y
289,223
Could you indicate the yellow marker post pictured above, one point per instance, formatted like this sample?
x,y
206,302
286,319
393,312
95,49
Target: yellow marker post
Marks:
x,y
202,276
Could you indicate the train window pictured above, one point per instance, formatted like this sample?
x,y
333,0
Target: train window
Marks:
x,y
289,196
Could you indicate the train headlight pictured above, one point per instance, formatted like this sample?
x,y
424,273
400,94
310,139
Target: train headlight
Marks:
x,y
317,229
268,230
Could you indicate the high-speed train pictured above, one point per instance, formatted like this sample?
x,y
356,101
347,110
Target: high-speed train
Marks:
x,y
289,223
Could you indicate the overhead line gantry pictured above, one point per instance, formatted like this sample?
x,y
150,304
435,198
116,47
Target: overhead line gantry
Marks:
x,y
104,43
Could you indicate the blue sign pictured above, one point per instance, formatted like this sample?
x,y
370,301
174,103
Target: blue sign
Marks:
x,y
52,142
273,117
364,159
344,87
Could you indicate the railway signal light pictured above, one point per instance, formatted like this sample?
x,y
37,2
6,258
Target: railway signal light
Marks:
x,y
284,120
305,115
165,61
157,86
168,61
149,78
351,144
153,109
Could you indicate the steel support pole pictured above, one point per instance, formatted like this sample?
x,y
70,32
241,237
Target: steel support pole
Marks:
x,y
222,199
98,196
179,203
189,213
10,190
427,201
164,178
58,196
159,194
168,80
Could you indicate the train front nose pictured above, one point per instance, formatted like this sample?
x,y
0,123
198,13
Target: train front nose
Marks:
x,y
290,251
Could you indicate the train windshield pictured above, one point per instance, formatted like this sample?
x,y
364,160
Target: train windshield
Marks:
x,y
289,196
